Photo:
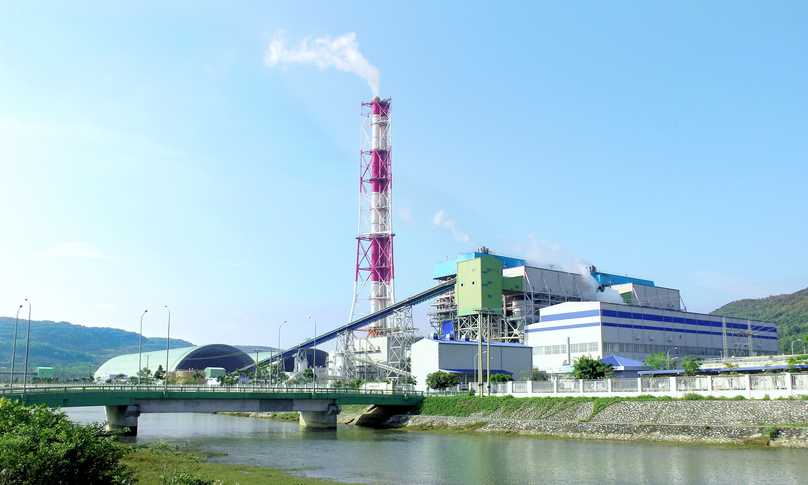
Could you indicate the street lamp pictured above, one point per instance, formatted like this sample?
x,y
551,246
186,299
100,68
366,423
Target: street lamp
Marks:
x,y
168,339
314,364
256,365
14,347
792,345
279,358
669,356
27,341
140,347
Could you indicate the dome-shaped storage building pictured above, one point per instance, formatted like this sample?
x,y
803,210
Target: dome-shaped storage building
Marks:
x,y
186,358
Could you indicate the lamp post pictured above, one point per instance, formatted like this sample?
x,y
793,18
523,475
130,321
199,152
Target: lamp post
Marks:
x,y
168,340
140,347
256,365
14,347
474,368
792,346
314,363
280,359
668,355
27,342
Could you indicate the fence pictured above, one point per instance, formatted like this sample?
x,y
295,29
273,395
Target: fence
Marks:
x,y
746,385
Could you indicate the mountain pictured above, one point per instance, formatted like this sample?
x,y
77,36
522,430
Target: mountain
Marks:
x,y
72,349
790,312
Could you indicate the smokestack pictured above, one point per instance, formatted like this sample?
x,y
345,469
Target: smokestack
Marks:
x,y
374,276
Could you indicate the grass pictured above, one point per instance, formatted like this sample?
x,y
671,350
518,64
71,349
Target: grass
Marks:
x,y
510,407
149,467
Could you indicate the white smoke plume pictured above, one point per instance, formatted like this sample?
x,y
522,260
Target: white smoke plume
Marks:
x,y
438,220
545,254
341,53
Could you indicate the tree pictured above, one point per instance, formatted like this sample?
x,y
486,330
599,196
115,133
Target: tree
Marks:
x,y
657,361
308,375
588,368
160,373
501,378
534,375
441,380
39,445
691,365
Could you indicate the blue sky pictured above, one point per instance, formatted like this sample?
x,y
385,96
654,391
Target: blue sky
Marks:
x,y
150,156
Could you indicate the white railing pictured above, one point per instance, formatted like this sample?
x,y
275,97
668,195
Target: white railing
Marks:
x,y
748,386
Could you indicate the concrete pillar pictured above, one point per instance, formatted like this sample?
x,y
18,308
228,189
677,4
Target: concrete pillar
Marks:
x,y
749,386
609,386
581,384
674,390
555,387
120,417
639,386
789,384
321,419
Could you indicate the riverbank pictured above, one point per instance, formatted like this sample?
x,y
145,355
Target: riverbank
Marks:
x,y
777,423
150,465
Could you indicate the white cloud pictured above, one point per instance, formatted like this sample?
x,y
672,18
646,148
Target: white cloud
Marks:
x,y
341,53
405,213
438,220
72,250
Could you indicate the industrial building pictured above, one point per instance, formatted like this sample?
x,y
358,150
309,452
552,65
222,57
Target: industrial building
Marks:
x,y
198,357
569,330
563,315
462,358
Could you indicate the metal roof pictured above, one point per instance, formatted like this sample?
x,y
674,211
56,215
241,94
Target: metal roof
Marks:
x,y
185,358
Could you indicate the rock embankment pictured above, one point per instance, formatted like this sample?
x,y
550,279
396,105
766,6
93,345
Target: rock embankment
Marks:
x,y
772,423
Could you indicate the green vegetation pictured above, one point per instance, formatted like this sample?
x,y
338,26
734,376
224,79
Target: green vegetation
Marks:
x,y
692,365
74,350
162,463
588,368
789,312
441,380
501,378
39,445
534,375
658,361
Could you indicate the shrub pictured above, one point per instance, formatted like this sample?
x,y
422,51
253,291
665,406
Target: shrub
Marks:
x,y
692,396
39,445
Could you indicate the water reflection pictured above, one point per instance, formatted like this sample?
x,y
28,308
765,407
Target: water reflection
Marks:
x,y
394,456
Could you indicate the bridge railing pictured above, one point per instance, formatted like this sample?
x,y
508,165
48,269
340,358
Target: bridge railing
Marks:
x,y
57,388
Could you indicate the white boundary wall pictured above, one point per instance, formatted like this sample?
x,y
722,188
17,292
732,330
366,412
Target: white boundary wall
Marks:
x,y
747,385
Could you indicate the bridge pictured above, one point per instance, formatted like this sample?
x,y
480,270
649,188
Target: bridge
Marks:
x,y
318,407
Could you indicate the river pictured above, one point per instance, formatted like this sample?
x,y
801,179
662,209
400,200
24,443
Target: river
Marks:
x,y
363,455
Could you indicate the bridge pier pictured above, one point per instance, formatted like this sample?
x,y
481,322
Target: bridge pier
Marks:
x,y
321,419
119,417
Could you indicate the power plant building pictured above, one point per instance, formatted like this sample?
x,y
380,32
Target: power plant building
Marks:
x,y
564,315
568,331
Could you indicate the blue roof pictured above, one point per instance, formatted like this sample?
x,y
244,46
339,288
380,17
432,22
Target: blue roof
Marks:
x,y
620,361
607,279
717,371
476,371
448,268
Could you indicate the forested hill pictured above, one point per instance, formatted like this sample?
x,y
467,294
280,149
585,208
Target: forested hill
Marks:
x,y
790,312
73,349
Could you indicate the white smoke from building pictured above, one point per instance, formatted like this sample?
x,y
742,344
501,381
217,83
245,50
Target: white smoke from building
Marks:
x,y
546,254
342,53
438,220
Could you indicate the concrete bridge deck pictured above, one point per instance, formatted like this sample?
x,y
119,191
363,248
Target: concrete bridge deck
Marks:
x,y
124,403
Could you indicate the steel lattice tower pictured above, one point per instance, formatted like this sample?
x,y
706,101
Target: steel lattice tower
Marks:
x,y
373,281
